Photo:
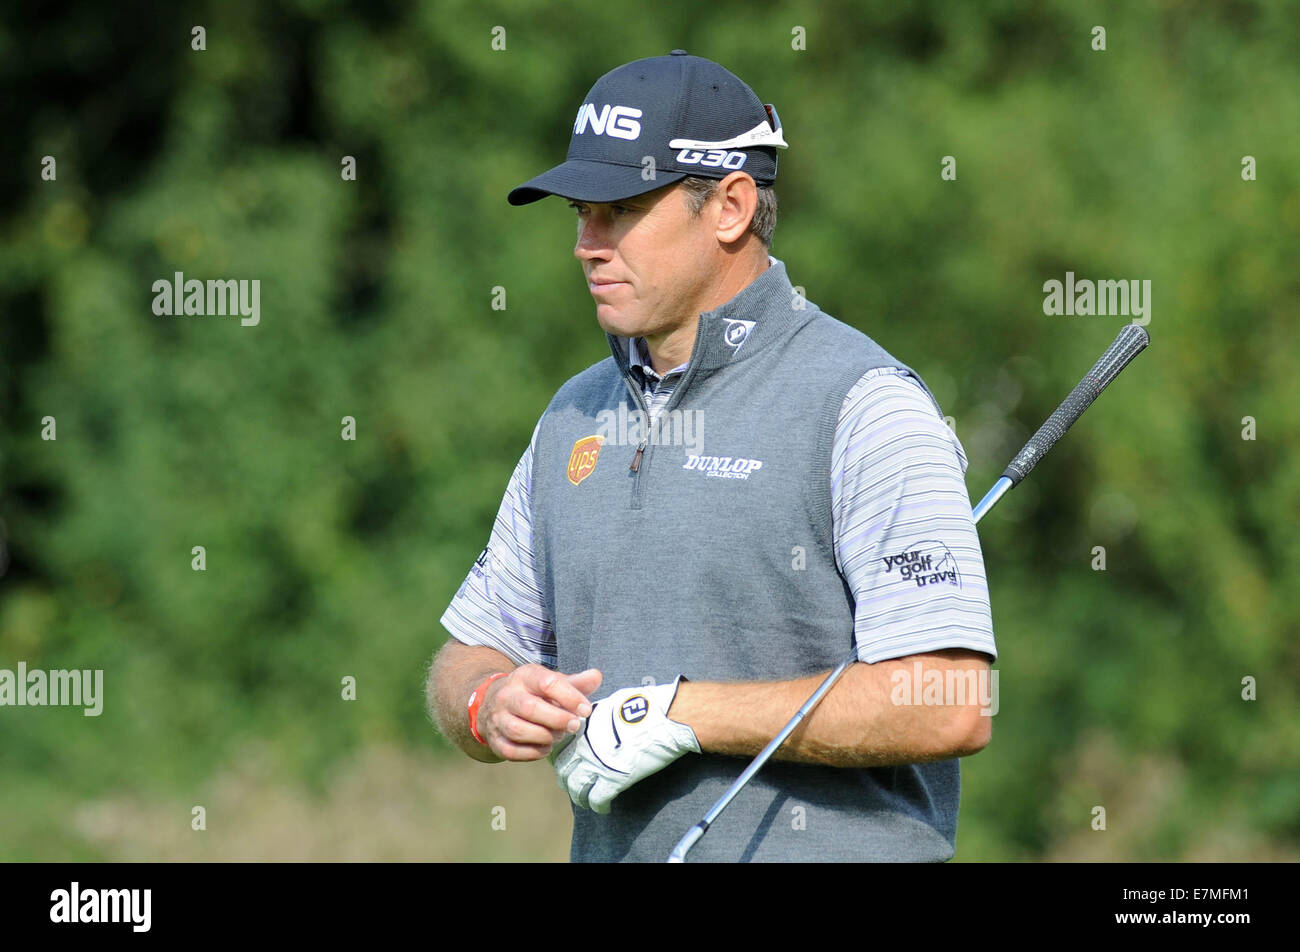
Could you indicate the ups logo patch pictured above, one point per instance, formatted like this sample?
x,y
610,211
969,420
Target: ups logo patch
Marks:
x,y
582,461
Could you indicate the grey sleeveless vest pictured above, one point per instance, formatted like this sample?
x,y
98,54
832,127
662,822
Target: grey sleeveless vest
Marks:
x,y
714,560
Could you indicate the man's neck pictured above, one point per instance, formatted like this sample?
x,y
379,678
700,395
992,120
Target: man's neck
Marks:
x,y
673,347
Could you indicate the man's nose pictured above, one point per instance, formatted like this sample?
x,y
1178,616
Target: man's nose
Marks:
x,y
593,237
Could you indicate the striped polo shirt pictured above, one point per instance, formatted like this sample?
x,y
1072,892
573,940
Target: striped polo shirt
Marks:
x,y
897,475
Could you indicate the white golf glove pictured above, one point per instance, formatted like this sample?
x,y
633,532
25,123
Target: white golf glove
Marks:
x,y
627,737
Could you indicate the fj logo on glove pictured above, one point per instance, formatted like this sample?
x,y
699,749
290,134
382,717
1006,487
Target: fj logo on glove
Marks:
x,y
634,709
582,461
601,761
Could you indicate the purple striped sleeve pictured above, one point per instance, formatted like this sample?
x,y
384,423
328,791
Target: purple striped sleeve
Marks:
x,y
904,537
499,605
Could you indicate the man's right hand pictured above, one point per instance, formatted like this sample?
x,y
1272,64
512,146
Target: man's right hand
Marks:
x,y
524,714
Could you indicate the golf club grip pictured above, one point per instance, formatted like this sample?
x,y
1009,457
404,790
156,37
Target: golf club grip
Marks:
x,y
1128,344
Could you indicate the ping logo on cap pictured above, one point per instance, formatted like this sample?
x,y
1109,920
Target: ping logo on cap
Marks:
x,y
617,121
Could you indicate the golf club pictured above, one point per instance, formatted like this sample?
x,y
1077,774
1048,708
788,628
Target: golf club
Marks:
x,y
1130,342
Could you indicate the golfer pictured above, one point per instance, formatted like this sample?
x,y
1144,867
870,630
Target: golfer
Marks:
x,y
705,521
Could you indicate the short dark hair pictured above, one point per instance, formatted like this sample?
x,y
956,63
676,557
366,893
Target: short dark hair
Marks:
x,y
699,190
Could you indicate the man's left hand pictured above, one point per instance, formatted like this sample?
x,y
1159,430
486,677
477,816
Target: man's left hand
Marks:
x,y
627,737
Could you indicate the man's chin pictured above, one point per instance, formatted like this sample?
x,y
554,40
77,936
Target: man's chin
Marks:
x,y
612,325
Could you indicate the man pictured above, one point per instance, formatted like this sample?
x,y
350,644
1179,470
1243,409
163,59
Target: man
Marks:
x,y
789,490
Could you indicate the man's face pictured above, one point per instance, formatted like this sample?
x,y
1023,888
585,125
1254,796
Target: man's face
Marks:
x,y
647,261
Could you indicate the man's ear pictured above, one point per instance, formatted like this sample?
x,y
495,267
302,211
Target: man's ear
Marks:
x,y
738,196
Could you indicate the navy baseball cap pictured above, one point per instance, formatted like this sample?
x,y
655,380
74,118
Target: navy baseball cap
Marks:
x,y
652,122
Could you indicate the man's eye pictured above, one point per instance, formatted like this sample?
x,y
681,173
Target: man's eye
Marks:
x,y
619,209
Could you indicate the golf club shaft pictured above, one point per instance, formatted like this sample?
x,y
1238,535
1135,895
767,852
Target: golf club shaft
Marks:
x,y
684,845
992,496
1127,345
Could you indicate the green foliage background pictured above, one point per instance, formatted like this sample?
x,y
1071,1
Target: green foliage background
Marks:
x,y
1120,688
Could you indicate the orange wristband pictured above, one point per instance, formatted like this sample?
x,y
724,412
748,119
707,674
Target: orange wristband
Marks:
x,y
476,701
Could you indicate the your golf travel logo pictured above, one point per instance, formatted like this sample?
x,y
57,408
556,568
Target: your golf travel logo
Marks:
x,y
478,570
929,562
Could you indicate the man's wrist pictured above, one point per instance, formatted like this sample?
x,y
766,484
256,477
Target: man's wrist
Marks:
x,y
684,730
681,703
477,698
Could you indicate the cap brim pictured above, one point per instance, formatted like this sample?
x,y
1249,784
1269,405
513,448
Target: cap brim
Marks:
x,y
587,181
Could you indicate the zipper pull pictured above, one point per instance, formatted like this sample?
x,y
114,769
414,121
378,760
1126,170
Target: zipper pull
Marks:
x,y
636,460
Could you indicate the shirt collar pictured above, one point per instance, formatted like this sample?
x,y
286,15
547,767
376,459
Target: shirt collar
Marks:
x,y
638,358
